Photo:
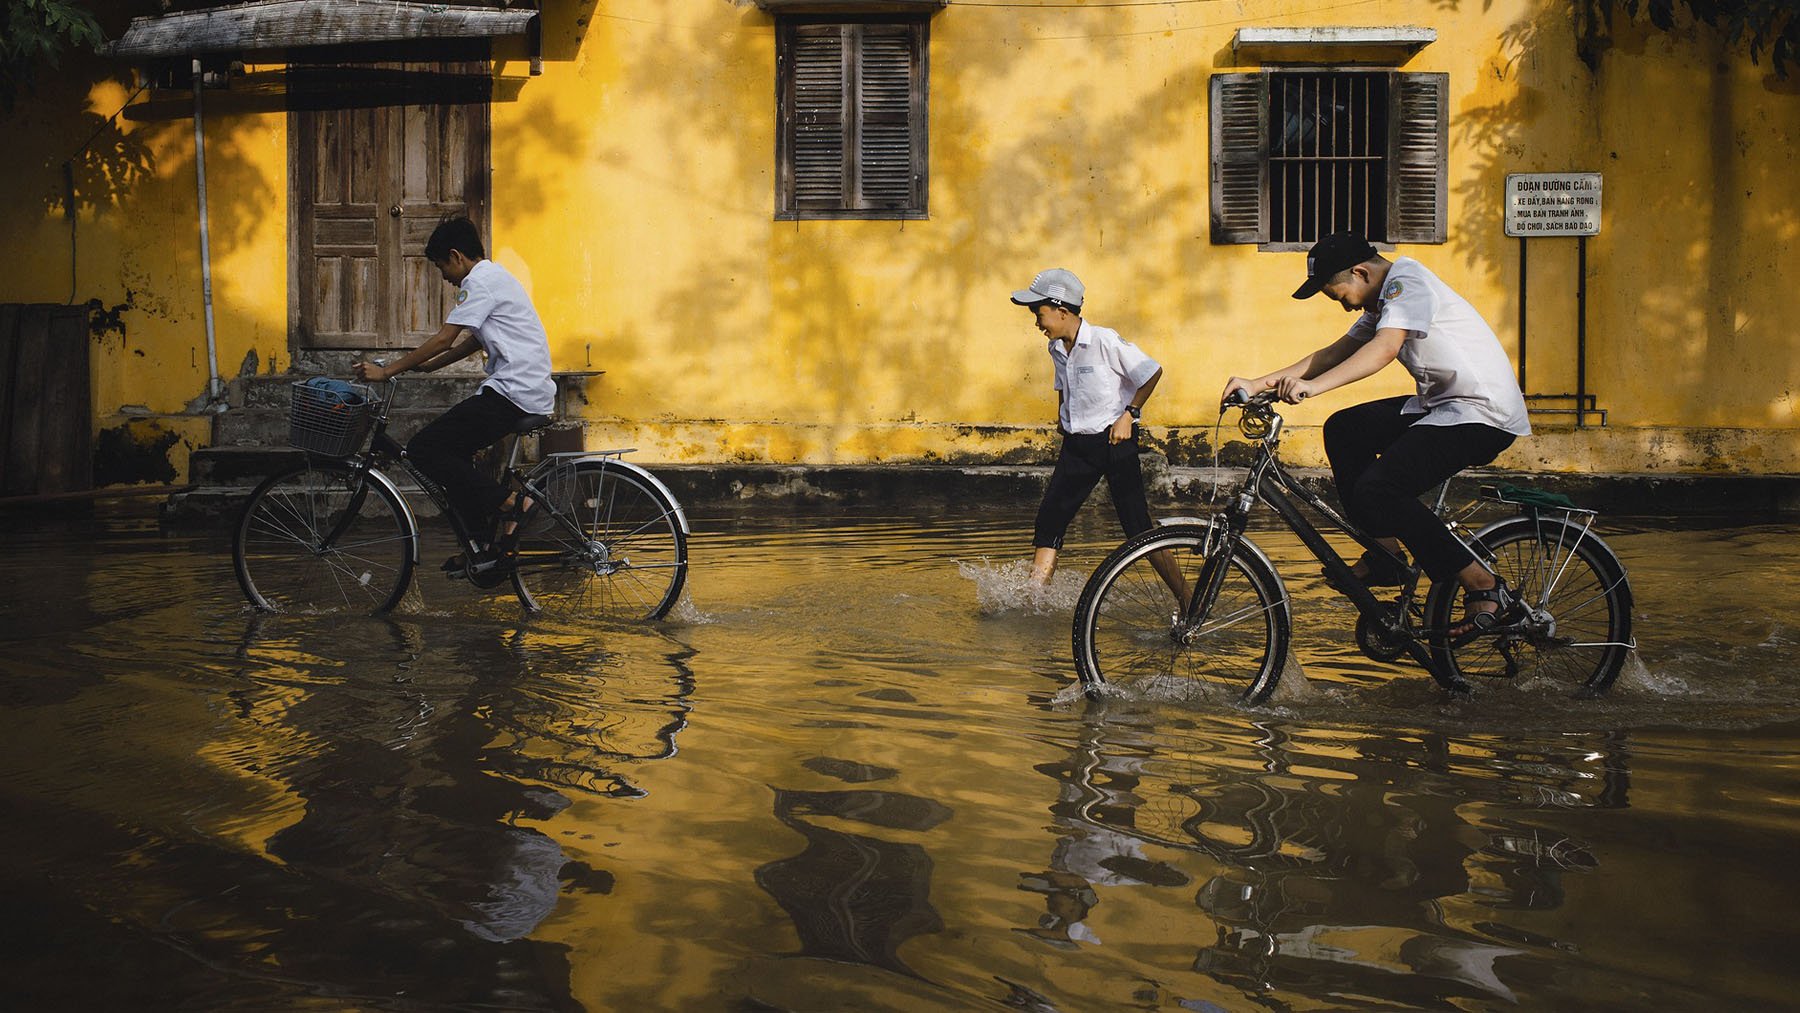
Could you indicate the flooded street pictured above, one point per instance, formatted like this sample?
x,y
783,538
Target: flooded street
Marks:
x,y
848,773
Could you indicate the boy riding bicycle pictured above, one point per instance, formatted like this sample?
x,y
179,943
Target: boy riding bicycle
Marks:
x,y
1385,453
492,314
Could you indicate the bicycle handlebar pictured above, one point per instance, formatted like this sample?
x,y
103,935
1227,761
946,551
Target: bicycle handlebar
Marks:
x,y
1237,399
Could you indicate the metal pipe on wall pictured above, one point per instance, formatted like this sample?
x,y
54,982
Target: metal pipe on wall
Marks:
x,y
213,386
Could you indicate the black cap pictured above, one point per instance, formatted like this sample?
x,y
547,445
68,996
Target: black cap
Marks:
x,y
1339,251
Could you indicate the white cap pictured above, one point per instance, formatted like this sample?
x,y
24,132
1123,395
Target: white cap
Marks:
x,y
1055,285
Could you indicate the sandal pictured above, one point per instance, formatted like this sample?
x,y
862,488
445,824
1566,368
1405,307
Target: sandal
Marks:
x,y
1382,571
1482,620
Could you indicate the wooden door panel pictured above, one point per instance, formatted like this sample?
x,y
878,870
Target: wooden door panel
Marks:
x,y
371,182
427,298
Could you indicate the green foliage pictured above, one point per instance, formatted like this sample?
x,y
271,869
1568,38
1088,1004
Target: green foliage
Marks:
x,y
33,34
1771,26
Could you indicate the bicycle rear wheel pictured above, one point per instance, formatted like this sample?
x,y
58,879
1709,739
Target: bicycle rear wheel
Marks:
x,y
322,538
606,544
1129,632
1572,626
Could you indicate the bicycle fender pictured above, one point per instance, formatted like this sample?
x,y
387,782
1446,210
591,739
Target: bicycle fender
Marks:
x,y
1287,603
657,483
380,478
1528,523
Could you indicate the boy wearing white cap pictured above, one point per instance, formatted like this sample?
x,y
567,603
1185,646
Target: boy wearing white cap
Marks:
x,y
1102,382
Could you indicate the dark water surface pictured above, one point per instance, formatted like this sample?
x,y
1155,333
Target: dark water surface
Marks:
x,y
849,776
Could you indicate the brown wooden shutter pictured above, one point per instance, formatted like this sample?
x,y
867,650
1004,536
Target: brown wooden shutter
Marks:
x,y
1418,157
1240,140
889,113
852,135
818,156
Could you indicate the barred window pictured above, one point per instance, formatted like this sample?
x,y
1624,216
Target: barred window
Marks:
x,y
1297,155
852,133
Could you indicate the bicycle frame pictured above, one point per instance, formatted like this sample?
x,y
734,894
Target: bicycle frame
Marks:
x,y
1270,483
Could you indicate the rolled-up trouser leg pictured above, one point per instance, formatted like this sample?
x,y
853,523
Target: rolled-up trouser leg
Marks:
x,y
1125,481
1078,470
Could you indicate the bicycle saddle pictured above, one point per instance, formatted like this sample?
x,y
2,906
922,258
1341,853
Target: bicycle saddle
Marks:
x,y
531,424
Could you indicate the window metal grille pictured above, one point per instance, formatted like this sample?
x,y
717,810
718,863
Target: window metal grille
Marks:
x,y
1328,153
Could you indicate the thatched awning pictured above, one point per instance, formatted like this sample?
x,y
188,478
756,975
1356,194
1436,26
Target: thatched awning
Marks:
x,y
290,24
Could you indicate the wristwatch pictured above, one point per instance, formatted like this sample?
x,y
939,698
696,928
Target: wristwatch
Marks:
x,y
1136,412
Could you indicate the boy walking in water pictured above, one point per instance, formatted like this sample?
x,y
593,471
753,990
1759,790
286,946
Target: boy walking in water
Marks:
x,y
493,314
1102,382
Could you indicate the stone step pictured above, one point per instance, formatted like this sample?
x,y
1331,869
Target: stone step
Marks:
x,y
217,506
268,427
433,390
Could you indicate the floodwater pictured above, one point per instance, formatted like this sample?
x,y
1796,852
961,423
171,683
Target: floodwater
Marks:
x,y
849,775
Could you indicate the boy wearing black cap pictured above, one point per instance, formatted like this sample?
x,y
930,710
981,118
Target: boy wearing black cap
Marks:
x,y
1102,382
1385,453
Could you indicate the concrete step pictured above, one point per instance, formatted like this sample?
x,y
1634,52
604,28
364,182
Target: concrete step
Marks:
x,y
222,477
217,506
268,427
431,390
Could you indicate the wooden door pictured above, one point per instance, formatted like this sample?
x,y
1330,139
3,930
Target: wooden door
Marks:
x,y
374,172
44,405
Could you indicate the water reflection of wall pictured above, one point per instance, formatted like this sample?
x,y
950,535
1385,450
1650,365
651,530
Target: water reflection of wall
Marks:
x,y
425,759
1336,861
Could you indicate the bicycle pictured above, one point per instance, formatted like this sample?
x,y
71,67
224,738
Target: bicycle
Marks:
x,y
1570,619
604,539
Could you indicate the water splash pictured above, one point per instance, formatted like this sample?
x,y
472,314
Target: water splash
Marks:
x,y
1635,676
1007,587
684,612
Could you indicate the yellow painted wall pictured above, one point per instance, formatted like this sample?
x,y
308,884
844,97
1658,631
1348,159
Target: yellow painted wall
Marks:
x,y
135,246
634,188
1079,138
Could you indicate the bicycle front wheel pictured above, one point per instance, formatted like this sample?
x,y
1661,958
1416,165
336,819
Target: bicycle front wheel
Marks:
x,y
606,543
1572,625
1129,629
324,538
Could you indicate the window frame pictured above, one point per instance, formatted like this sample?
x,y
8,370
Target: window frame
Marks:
x,y
1417,163
789,205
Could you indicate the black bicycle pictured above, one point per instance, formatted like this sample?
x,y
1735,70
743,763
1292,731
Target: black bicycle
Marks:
x,y
1197,608
603,539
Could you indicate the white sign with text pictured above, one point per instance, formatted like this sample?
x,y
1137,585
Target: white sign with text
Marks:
x,y
1552,204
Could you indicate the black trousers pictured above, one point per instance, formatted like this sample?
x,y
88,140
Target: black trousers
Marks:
x,y
1085,459
445,451
1382,462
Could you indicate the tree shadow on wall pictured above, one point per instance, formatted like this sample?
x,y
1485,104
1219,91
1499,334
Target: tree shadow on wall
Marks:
x,y
1681,203
1004,213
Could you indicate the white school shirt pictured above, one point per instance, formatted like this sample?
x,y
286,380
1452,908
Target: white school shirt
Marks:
x,y
493,304
1098,377
1462,373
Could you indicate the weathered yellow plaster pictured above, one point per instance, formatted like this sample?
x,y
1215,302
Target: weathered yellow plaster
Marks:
x,y
633,192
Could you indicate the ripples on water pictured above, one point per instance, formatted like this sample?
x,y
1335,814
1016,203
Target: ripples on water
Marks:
x,y
850,773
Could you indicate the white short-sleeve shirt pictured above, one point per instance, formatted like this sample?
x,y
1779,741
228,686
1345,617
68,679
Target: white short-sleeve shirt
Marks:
x,y
493,304
1098,377
1462,373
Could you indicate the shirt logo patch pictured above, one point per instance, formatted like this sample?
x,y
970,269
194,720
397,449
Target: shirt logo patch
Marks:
x,y
462,296
1393,290
1083,370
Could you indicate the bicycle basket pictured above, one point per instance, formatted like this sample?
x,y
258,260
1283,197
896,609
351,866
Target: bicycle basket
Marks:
x,y
330,417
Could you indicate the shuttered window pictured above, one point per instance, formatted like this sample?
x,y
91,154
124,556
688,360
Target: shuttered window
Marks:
x,y
1297,155
852,135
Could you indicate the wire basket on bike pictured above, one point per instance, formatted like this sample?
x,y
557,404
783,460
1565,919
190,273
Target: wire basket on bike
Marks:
x,y
330,417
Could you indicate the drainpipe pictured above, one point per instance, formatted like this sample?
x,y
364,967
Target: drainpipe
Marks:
x,y
213,386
